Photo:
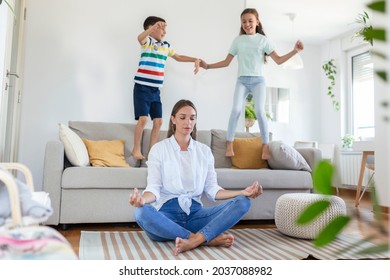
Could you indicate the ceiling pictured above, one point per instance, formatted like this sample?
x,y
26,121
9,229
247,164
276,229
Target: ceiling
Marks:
x,y
316,21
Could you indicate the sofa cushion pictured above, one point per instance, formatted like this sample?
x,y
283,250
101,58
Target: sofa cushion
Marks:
x,y
247,153
284,156
108,131
104,178
218,146
232,178
74,147
108,153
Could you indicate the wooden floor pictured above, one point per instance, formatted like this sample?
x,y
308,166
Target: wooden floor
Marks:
x,y
362,223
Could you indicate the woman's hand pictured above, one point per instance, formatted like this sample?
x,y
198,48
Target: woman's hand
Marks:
x,y
136,199
253,190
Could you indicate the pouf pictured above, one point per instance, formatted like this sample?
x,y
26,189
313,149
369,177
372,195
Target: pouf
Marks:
x,y
290,206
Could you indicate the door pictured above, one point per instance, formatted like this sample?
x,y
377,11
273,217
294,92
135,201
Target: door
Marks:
x,y
11,30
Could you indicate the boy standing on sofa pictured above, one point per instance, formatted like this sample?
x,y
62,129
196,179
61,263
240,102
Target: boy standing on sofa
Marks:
x,y
150,77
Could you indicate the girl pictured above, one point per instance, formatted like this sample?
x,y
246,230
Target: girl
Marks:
x,y
252,48
180,169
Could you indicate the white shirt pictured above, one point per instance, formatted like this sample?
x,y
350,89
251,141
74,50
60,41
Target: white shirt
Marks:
x,y
165,173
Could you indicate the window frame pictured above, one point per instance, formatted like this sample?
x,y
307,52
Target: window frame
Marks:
x,y
349,129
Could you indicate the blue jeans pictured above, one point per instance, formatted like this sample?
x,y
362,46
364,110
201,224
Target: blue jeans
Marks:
x,y
244,86
171,222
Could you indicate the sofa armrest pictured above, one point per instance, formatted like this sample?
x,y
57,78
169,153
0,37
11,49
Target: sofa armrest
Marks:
x,y
311,155
52,176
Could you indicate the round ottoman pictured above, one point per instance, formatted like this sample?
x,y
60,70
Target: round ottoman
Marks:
x,y
290,206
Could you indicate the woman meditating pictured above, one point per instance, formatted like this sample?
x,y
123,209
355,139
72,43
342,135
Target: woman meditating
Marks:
x,y
180,169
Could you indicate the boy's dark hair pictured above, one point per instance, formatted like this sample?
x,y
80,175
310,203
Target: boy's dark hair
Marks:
x,y
151,21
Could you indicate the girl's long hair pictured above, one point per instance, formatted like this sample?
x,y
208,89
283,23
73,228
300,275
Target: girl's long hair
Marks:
x,y
180,104
259,28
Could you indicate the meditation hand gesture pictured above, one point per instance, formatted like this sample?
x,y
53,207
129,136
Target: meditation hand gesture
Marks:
x,y
136,199
253,190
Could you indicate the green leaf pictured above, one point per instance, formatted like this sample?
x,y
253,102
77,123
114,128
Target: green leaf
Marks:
x,y
330,232
375,33
381,248
312,211
382,75
379,6
322,177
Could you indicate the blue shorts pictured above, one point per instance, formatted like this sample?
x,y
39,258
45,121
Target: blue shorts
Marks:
x,y
147,101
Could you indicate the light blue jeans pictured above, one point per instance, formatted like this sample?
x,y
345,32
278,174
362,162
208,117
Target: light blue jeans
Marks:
x,y
170,221
244,86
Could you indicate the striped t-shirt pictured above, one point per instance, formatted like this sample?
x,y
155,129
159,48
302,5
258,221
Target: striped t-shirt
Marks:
x,y
154,54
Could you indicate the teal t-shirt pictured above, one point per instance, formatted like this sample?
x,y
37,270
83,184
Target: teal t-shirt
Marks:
x,y
250,51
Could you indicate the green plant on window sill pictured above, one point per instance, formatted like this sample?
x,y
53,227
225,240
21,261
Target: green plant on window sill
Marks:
x,y
348,141
322,182
329,68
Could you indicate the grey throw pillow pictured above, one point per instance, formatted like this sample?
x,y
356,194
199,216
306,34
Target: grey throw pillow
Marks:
x,y
284,156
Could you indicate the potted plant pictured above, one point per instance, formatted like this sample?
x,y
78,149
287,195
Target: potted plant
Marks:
x,y
329,68
250,114
348,141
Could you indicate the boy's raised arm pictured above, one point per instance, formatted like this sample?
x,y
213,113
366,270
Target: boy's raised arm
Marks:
x,y
144,35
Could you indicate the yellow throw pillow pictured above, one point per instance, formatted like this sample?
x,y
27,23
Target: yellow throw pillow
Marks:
x,y
247,153
108,153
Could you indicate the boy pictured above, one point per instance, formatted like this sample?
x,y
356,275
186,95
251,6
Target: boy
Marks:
x,y
150,77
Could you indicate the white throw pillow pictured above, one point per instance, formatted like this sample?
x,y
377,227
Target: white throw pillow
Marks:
x,y
75,149
284,156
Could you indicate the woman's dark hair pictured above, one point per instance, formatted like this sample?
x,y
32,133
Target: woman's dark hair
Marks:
x,y
259,28
180,104
151,21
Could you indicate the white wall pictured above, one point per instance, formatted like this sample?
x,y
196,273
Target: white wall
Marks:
x,y
81,56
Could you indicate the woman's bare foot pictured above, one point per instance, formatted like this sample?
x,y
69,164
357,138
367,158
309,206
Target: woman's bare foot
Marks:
x,y
195,240
138,155
266,154
224,239
182,245
229,149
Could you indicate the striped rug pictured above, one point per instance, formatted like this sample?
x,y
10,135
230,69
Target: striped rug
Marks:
x,y
249,244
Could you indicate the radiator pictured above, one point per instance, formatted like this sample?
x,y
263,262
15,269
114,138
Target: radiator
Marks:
x,y
350,168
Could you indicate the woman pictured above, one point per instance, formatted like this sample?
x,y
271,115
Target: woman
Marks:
x,y
180,169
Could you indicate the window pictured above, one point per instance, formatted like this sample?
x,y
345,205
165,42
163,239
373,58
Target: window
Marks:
x,y
360,108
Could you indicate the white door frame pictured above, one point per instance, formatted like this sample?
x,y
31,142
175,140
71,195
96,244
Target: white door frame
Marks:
x,y
12,82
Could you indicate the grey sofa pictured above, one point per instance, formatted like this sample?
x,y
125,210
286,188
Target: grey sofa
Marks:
x,y
100,194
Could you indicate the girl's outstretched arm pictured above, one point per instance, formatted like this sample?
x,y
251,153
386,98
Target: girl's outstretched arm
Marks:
x,y
220,64
281,59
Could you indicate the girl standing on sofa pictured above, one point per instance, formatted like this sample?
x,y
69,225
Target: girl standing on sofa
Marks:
x,y
252,48
180,169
